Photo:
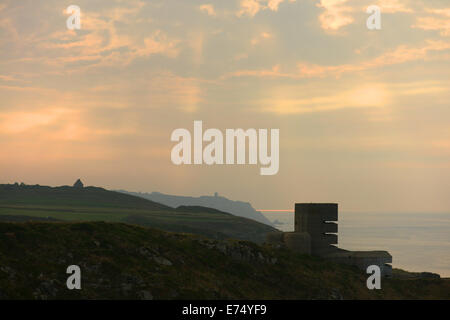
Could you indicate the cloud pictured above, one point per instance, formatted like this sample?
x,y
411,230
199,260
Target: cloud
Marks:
x,y
261,37
95,51
274,72
8,78
169,90
249,8
274,4
107,38
252,7
401,54
443,12
340,13
52,123
364,96
208,9
438,20
394,6
378,97
157,43
336,14
433,23
20,121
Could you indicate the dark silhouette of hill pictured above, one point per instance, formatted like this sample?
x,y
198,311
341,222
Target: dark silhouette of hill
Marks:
x,y
73,196
238,208
120,261
78,203
200,208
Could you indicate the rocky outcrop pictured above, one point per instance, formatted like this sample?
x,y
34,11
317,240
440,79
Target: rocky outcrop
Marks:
x,y
240,251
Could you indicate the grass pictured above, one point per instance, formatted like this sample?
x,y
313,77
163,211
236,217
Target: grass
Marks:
x,y
112,237
97,204
120,261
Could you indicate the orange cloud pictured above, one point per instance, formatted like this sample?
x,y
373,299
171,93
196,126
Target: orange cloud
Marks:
x,y
20,121
394,6
102,43
401,54
438,20
262,36
444,12
336,14
252,7
249,7
339,13
370,95
208,9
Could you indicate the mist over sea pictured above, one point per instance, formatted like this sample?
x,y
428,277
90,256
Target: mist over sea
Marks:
x,y
417,242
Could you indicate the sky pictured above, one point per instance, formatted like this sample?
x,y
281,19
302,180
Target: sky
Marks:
x,y
363,114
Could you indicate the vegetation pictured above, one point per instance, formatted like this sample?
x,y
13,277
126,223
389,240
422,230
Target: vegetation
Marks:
x,y
120,261
22,202
112,237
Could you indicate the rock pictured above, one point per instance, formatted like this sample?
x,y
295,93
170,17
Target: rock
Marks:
x,y
163,261
173,293
335,294
10,272
126,287
46,289
261,257
238,251
147,252
145,295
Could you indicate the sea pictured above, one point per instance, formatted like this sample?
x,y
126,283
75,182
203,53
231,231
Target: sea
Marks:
x,y
417,241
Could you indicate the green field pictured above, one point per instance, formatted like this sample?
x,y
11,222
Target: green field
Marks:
x,y
26,203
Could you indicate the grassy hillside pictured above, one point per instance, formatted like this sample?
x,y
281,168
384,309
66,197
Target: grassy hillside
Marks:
x,y
237,208
24,203
73,197
131,262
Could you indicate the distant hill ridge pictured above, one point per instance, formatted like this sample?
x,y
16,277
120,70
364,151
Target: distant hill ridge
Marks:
x,y
20,202
237,208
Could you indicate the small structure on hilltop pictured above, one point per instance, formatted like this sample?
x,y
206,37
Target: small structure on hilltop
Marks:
x,y
316,234
78,184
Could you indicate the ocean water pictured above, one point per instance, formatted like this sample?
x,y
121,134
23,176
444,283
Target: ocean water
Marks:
x,y
417,242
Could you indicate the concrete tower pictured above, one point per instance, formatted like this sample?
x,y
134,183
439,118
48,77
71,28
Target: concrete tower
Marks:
x,y
317,220
316,233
